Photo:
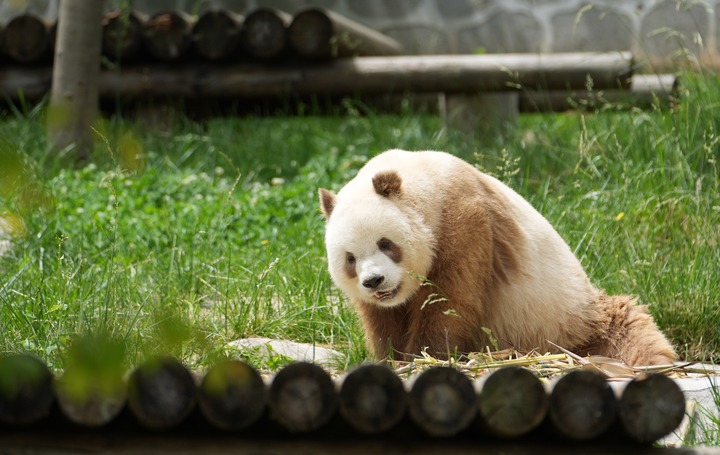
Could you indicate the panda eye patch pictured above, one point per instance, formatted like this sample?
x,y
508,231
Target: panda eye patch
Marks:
x,y
390,249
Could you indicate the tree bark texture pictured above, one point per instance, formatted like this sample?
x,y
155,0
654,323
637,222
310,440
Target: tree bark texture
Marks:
x,y
74,93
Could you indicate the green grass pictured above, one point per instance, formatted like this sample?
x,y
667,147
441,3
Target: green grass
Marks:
x,y
180,239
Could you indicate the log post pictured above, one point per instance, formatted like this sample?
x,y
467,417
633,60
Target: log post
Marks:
x,y
216,34
582,405
442,401
302,397
512,402
264,33
161,393
122,34
90,400
232,395
319,33
91,391
650,407
28,39
372,399
26,390
74,93
168,35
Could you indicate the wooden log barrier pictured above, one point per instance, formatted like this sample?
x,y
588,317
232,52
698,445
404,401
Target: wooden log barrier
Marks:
x,y
161,393
512,402
372,399
302,397
232,395
442,401
122,34
646,90
168,35
320,33
28,39
26,390
216,35
650,407
582,405
264,33
376,75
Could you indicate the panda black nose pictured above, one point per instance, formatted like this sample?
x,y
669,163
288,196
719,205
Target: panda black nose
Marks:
x,y
374,281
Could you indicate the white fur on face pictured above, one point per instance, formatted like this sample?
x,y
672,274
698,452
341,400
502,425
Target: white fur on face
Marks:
x,y
353,232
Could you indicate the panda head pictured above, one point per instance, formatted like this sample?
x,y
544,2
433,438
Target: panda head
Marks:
x,y
377,244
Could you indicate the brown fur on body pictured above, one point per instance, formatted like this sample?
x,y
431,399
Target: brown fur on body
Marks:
x,y
490,267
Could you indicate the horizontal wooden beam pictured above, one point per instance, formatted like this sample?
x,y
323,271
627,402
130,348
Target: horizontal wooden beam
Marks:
x,y
360,75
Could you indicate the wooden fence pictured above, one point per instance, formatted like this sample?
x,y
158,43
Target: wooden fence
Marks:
x,y
231,404
269,54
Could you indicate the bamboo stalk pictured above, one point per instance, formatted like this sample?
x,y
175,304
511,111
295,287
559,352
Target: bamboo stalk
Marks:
x,y
122,34
512,402
161,393
650,407
232,395
582,405
28,39
26,390
167,35
319,33
302,397
442,401
372,399
216,34
264,33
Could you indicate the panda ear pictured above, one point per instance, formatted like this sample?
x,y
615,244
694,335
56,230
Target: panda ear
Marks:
x,y
387,183
327,202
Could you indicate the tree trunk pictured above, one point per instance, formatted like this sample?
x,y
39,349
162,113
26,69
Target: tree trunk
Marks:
x,y
74,97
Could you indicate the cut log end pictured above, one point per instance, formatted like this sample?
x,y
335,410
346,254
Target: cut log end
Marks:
x,y
122,34
443,401
216,34
161,393
302,397
90,400
26,390
512,402
311,32
265,33
372,399
582,405
650,407
232,395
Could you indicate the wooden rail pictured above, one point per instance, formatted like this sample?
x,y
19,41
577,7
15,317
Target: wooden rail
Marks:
x,y
302,399
360,75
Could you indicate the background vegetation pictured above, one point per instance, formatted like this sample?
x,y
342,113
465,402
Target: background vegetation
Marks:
x,y
181,237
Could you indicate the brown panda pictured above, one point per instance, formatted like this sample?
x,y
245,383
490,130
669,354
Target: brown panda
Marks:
x,y
436,255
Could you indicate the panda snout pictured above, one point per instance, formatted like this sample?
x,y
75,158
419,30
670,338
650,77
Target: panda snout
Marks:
x,y
373,282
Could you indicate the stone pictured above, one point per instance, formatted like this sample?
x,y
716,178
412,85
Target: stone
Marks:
x,y
596,28
671,28
293,350
382,9
420,39
503,32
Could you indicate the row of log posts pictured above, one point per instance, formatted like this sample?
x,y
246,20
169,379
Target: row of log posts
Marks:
x,y
302,398
216,35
